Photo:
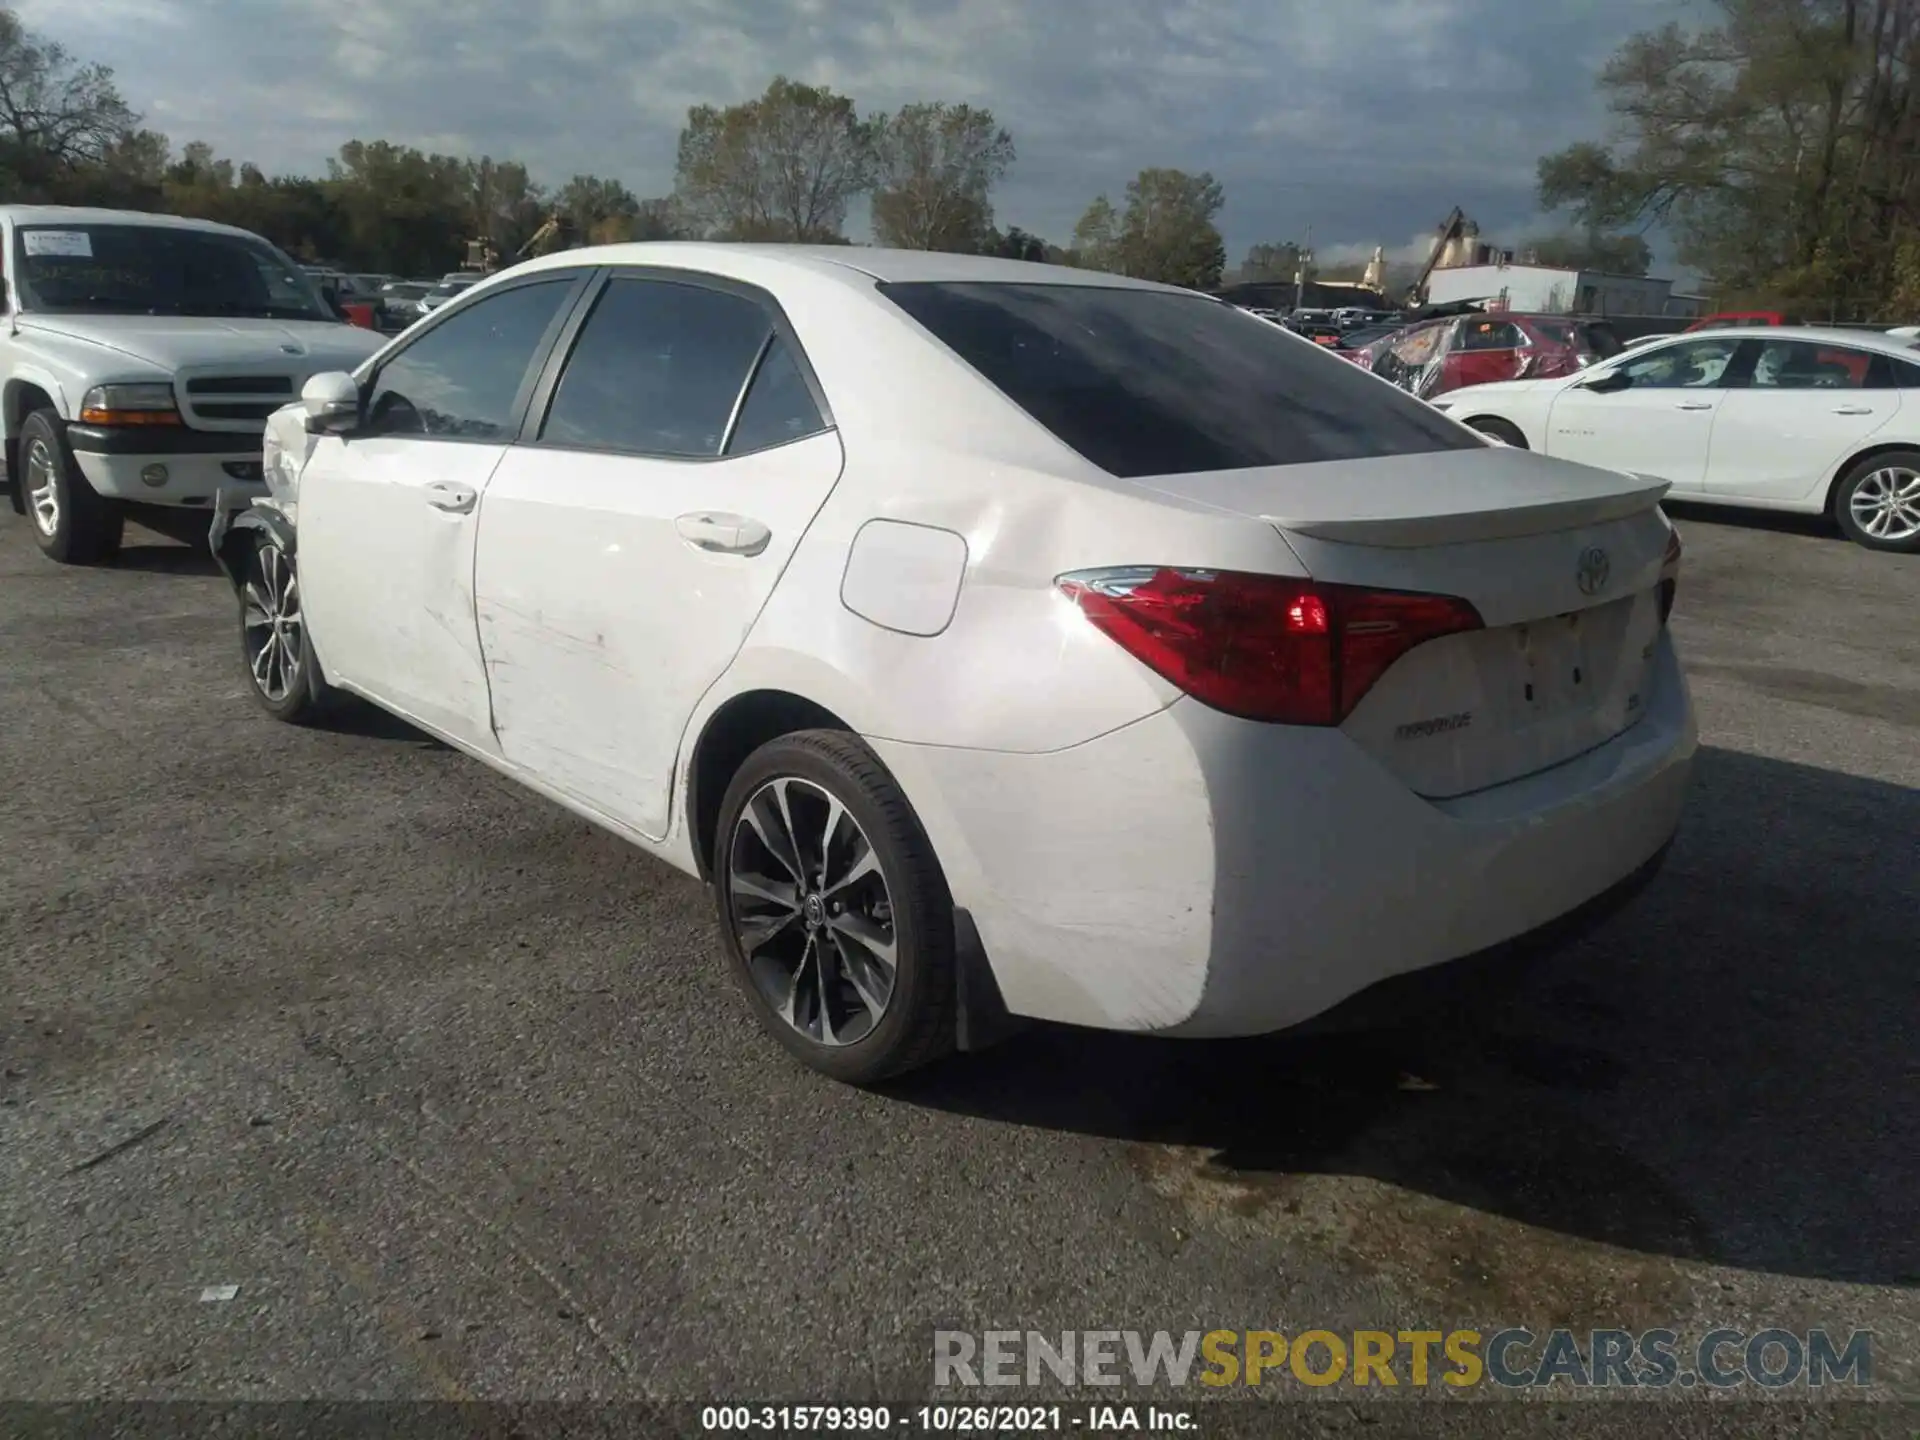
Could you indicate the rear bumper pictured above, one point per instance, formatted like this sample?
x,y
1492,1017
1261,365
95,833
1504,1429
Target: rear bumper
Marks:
x,y
1195,874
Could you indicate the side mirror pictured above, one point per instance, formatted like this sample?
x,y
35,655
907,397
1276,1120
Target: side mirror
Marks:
x,y
1608,381
332,402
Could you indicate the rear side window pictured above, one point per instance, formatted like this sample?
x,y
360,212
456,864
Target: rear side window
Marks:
x,y
1491,335
778,407
1145,382
657,369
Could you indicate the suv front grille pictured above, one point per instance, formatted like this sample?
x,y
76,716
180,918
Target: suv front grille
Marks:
x,y
233,402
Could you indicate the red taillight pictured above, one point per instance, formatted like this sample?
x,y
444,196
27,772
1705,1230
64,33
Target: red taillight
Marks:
x,y
1261,646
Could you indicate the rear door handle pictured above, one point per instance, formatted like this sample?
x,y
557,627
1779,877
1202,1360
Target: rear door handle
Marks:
x,y
723,534
1853,410
1694,405
458,499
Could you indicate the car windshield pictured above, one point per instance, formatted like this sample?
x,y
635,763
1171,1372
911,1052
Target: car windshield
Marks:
x,y
159,270
1154,382
448,288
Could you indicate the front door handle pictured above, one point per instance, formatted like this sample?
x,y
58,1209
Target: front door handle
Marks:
x,y
1694,405
457,499
723,534
1853,410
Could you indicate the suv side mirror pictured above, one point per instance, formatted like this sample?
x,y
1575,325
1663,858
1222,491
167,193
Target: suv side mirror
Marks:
x,y
332,403
1608,381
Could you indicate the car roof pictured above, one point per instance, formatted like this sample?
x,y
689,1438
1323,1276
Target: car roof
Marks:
x,y
88,215
845,262
1818,334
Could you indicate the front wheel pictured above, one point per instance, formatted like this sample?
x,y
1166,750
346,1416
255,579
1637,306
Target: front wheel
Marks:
x,y
833,909
1496,429
71,522
1877,502
273,637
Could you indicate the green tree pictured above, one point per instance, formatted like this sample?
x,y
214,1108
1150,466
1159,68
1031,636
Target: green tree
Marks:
x,y
587,200
1096,237
783,166
1167,232
1270,261
1780,144
1614,254
933,165
1017,244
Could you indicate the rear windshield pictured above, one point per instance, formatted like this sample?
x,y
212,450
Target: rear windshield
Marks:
x,y
1145,382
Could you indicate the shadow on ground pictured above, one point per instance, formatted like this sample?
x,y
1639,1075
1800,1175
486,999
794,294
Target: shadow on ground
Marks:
x,y
1723,1071
1781,522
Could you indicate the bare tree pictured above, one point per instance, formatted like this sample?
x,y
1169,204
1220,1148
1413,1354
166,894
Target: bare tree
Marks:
x,y
56,113
933,166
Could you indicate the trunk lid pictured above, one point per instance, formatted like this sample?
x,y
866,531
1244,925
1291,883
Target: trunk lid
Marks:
x,y
1563,563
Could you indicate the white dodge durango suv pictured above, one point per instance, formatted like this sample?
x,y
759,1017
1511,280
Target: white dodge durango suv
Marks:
x,y
140,356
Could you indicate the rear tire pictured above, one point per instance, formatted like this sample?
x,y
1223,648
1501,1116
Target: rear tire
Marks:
x,y
282,673
71,522
1500,430
1877,502
833,910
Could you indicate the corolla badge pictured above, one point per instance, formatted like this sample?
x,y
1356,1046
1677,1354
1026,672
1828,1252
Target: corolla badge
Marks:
x,y
1592,573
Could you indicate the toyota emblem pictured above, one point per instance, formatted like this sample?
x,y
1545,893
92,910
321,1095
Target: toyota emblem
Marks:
x,y
1593,570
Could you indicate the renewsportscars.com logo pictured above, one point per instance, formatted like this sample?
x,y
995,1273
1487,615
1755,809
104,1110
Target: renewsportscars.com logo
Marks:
x,y
1511,1359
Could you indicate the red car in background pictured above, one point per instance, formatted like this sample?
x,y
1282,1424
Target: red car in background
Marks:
x,y
1432,357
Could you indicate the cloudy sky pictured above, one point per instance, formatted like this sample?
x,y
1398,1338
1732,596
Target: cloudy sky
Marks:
x,y
1366,119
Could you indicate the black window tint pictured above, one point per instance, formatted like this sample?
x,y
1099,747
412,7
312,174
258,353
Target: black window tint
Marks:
x,y
778,407
1146,382
461,378
657,369
1803,365
1906,374
1692,365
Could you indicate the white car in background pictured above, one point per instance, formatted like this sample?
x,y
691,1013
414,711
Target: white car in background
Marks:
x,y
1779,418
993,637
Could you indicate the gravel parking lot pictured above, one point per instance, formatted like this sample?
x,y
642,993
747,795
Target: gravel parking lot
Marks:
x,y
455,1090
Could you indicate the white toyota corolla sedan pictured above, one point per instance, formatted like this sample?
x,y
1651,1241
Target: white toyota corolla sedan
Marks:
x,y
1816,421
995,638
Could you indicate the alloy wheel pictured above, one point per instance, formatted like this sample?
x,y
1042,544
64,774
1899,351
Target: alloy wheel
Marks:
x,y
1886,504
812,912
271,610
43,491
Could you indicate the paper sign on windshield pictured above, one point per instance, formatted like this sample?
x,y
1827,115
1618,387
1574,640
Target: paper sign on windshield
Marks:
x,y
58,242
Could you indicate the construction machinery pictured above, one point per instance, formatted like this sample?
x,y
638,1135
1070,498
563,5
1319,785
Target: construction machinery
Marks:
x,y
1450,231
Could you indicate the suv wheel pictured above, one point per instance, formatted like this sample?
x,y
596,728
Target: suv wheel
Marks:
x,y
71,523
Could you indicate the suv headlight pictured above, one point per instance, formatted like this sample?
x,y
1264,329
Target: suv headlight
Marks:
x,y
148,404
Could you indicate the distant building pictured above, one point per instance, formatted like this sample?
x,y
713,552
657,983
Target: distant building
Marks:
x,y
1550,290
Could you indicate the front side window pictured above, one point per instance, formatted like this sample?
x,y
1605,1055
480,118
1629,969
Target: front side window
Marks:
x,y
1151,382
657,369
462,379
159,270
1697,364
